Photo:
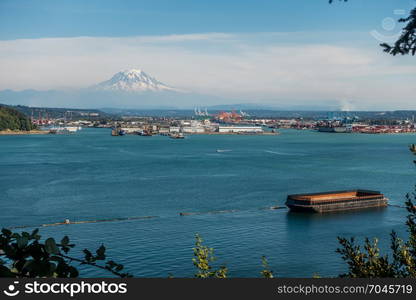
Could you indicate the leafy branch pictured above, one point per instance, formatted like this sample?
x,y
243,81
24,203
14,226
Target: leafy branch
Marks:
x,y
203,257
24,255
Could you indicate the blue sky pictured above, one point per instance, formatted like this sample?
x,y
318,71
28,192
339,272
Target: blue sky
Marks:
x,y
258,51
71,18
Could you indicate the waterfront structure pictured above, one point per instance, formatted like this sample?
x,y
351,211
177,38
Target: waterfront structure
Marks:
x,y
377,129
240,129
62,130
174,129
164,130
229,117
192,129
132,130
336,201
198,112
335,129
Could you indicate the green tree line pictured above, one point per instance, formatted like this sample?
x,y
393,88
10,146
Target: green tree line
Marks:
x,y
11,119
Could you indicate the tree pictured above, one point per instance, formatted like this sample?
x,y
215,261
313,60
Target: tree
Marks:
x,y
203,257
367,262
406,43
266,272
12,119
24,255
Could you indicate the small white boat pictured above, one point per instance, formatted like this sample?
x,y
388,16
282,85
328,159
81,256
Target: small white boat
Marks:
x,y
223,150
71,129
177,136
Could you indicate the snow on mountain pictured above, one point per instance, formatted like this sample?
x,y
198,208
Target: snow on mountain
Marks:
x,y
133,80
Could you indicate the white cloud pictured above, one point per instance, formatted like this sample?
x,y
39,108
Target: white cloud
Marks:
x,y
263,67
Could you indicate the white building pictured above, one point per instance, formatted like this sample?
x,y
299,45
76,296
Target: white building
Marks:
x,y
164,130
193,129
185,123
132,129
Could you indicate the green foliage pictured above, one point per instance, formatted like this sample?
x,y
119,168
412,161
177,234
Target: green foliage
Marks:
x,y
367,262
12,119
266,272
203,257
406,44
24,255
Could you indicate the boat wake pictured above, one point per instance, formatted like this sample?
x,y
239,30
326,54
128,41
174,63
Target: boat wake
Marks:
x,y
283,153
137,218
223,150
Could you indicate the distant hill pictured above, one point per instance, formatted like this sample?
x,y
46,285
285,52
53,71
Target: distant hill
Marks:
x,y
12,119
59,112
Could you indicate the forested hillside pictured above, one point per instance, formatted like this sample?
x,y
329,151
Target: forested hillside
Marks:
x,y
14,120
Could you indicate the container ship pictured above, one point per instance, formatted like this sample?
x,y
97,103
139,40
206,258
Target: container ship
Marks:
x,y
336,201
335,129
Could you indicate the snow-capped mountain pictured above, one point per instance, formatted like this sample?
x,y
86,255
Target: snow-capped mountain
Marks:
x,y
133,80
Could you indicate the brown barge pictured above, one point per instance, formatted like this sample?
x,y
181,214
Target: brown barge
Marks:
x,y
336,201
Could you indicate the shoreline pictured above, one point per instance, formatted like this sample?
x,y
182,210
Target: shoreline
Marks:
x,y
21,132
231,133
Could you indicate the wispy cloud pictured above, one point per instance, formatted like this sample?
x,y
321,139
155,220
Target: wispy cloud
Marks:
x,y
256,67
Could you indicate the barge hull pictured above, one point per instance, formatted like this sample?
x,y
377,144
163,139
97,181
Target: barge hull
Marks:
x,y
338,207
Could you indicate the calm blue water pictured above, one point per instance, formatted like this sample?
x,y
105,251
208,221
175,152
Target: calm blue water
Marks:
x,y
91,175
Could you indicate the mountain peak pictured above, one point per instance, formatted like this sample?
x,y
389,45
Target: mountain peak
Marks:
x,y
133,80
132,72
